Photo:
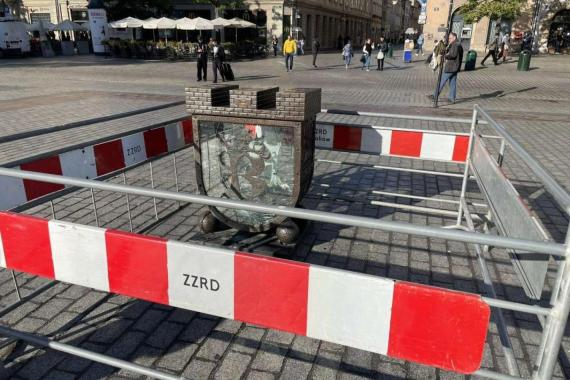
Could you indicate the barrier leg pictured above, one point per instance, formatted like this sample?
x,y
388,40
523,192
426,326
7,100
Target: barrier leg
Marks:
x,y
16,285
176,175
152,186
52,210
466,170
128,203
555,325
501,153
497,313
94,207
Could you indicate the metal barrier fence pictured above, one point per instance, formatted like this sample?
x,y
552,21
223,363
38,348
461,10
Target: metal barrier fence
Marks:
x,y
477,161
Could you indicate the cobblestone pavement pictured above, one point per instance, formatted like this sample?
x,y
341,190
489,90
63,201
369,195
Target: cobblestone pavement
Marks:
x,y
533,106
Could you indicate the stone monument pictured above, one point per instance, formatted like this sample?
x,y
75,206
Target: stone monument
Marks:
x,y
253,144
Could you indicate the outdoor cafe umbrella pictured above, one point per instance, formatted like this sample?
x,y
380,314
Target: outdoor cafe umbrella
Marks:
x,y
221,23
161,23
148,24
69,26
239,23
38,26
129,22
185,24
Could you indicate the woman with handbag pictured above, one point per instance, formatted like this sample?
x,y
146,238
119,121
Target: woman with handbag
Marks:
x,y
347,54
382,50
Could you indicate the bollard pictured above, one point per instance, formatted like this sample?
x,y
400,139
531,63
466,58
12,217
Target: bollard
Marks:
x,y
390,53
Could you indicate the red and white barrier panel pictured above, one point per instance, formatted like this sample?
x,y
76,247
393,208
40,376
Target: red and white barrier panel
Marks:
x,y
424,324
94,161
426,145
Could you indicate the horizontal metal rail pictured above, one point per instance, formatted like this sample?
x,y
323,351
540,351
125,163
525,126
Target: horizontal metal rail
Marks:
x,y
90,355
560,195
380,167
356,125
399,116
319,216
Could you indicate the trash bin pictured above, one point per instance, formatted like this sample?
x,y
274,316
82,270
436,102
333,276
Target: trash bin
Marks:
x,y
408,56
471,60
524,61
390,53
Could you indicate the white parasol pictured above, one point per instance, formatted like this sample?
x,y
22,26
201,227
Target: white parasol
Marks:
x,y
69,26
129,22
38,26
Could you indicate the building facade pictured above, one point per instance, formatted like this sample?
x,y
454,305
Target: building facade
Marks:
x,y
54,11
552,16
332,21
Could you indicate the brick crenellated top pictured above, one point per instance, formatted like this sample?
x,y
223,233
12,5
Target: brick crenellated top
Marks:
x,y
295,104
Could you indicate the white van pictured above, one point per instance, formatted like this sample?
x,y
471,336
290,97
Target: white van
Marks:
x,y
14,38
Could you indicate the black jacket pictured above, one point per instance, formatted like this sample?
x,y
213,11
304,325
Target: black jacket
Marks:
x,y
453,58
221,56
383,46
202,50
316,46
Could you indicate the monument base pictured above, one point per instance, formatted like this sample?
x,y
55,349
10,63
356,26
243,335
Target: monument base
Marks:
x,y
280,242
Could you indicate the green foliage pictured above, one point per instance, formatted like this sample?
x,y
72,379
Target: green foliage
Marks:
x,y
118,9
222,5
475,10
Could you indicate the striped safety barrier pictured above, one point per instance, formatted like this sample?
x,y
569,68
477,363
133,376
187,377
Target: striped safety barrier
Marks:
x,y
94,161
427,145
424,324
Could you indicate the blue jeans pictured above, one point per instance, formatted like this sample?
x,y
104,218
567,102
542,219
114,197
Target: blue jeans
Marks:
x,y
348,59
452,78
289,61
366,62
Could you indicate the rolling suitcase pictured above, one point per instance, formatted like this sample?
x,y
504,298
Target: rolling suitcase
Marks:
x,y
228,72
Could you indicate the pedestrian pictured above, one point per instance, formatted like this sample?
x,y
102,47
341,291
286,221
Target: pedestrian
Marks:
x,y
527,41
452,65
492,50
366,55
558,42
301,46
438,50
219,58
275,42
505,42
316,47
289,50
382,50
347,54
420,45
202,62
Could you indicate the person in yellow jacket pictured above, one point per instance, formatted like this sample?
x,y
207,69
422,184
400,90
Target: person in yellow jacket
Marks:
x,y
289,50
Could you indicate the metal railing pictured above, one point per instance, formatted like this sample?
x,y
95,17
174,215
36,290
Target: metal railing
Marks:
x,y
555,318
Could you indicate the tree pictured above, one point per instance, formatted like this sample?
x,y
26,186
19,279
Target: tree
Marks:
x,y
118,9
15,6
475,10
221,5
